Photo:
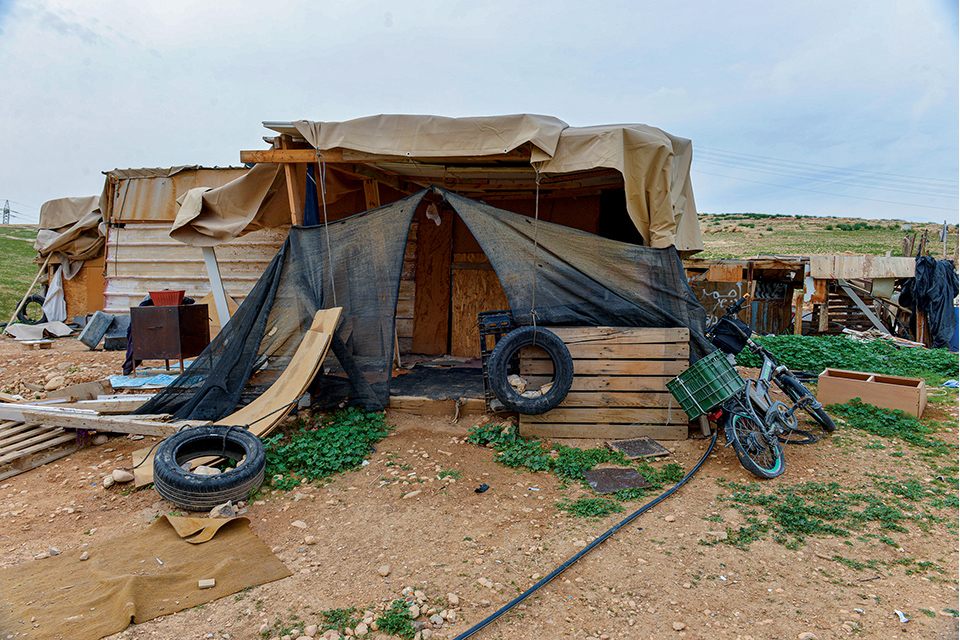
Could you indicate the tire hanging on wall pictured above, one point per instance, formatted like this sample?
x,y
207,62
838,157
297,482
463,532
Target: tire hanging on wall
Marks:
x,y
197,492
503,354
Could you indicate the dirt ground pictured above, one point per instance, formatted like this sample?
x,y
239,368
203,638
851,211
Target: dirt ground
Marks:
x,y
652,579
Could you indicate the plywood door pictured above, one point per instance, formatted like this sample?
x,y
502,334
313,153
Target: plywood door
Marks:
x,y
476,288
431,314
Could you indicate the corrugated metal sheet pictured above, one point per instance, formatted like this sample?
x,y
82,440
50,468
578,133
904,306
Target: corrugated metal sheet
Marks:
x,y
152,197
143,258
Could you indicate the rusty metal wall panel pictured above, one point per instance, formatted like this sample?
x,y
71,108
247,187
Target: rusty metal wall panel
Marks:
x,y
154,199
142,257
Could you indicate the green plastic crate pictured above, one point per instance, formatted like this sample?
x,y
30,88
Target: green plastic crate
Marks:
x,y
710,382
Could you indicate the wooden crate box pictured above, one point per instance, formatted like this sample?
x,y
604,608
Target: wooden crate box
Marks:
x,y
836,386
619,384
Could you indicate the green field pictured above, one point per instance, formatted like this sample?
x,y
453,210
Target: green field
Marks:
x,y
742,235
17,267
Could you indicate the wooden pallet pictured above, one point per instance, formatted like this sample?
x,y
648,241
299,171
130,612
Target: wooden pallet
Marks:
x,y
25,446
619,384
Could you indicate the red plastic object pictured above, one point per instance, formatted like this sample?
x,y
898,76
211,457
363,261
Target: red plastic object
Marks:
x,y
167,298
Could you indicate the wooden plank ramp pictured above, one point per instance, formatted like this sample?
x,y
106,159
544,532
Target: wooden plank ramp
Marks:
x,y
619,384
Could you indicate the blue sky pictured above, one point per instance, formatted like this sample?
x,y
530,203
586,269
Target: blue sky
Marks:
x,y
820,108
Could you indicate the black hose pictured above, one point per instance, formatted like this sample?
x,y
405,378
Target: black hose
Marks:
x,y
526,594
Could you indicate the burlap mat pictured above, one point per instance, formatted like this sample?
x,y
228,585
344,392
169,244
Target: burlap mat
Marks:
x,y
66,598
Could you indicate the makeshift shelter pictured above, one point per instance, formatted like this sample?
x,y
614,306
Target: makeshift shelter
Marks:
x,y
623,182
356,263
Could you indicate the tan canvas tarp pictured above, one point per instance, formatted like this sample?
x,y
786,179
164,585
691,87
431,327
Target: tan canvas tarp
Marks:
x,y
151,194
82,240
655,168
135,577
63,212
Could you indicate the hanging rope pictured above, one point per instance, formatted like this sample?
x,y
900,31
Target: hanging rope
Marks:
x,y
326,225
536,230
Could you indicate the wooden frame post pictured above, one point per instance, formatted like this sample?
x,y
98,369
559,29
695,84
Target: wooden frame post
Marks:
x,y
293,188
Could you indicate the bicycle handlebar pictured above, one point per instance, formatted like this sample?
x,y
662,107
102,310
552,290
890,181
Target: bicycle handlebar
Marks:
x,y
735,308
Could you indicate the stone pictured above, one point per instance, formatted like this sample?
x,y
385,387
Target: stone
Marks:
x,y
453,599
384,570
122,475
100,439
412,494
84,556
670,519
807,635
679,626
436,620
419,595
310,630
299,524
414,611
108,482
203,470
55,383
264,628
361,630
225,510
310,540
207,583
53,551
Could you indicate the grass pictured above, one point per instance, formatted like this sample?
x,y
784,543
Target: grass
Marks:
x,y
17,269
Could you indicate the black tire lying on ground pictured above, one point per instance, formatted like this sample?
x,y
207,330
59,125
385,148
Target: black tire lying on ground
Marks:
x,y
27,317
196,492
498,368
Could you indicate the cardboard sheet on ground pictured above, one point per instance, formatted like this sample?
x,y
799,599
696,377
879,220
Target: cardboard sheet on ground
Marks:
x,y
267,411
21,331
123,582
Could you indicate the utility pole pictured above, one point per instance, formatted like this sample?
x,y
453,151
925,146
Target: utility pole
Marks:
x,y
6,212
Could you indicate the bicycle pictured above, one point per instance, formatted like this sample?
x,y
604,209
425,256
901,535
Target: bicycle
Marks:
x,y
753,423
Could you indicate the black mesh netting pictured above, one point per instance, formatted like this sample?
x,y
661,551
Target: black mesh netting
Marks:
x,y
250,352
581,279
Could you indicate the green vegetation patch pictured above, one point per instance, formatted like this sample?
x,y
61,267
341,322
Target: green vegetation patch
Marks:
x,y
329,445
569,464
792,513
396,620
889,423
18,267
816,353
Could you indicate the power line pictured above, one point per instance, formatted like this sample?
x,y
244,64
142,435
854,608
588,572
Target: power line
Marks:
x,y
896,176
828,193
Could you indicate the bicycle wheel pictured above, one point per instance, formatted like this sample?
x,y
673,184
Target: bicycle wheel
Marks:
x,y
795,390
760,455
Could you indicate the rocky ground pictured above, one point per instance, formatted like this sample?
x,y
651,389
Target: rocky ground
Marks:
x,y
410,526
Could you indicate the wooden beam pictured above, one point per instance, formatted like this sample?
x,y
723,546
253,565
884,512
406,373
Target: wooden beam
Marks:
x,y
608,431
874,320
293,188
371,193
298,156
112,424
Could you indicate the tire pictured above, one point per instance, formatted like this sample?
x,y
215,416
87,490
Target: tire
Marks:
x,y
29,316
795,390
502,357
760,455
195,492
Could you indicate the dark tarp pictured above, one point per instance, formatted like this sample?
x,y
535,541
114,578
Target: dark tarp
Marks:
x,y
581,279
932,290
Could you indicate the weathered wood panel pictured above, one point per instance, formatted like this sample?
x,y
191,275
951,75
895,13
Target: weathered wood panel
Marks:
x,y
431,318
619,385
475,288
142,257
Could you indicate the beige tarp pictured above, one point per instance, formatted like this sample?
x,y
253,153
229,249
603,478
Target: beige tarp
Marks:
x,y
655,168
79,233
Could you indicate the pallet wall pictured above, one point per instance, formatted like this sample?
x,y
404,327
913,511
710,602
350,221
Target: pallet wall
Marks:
x,y
619,384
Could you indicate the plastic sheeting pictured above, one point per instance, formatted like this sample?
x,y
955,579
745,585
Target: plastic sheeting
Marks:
x,y
932,291
581,279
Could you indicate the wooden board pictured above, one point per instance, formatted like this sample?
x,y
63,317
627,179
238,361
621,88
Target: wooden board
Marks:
x,y
430,407
867,267
475,288
836,386
272,406
619,384
725,273
25,446
431,316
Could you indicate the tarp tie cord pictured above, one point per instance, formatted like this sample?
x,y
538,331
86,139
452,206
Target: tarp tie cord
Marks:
x,y
556,572
326,225
536,229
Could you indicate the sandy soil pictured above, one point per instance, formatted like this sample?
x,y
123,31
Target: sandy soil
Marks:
x,y
652,579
